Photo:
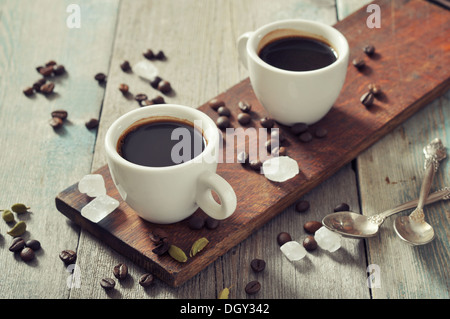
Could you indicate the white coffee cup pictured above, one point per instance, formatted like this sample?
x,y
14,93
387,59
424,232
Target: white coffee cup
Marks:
x,y
294,96
170,194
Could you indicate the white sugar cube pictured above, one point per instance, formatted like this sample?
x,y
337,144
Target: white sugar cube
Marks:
x,y
145,69
99,208
293,250
92,185
328,240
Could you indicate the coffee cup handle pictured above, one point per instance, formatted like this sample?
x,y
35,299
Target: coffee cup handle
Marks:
x,y
209,181
242,47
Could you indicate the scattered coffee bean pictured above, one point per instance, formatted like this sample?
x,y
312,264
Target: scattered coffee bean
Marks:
x,y
279,151
302,206
212,223
107,283
369,50
50,63
149,54
299,128
46,71
27,254
305,137
374,88
28,91
196,222
33,244
146,280
146,103
162,247
276,134
59,70
342,207
37,85
100,77
244,118
312,226
158,100
160,55
120,271
91,124
283,238
320,132
157,235
123,88
367,99
68,256
267,122
17,244
224,111
242,157
358,63
310,243
215,104
155,81
255,164
47,88
141,97
271,144
164,86
56,122
258,265
125,66
253,287
62,114
244,106
223,122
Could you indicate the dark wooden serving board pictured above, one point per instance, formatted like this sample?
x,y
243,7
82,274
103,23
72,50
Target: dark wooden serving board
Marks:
x,y
411,65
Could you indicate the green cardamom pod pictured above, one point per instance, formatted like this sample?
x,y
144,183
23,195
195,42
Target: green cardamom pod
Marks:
x,y
177,254
19,208
18,229
198,245
7,216
224,293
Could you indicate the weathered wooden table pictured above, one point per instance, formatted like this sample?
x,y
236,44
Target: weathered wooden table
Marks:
x,y
198,38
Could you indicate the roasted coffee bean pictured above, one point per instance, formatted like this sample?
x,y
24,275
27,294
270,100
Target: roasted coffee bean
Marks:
x,y
68,256
100,77
196,222
149,54
305,137
223,122
160,55
27,254
155,81
302,206
146,280
162,247
369,50
107,283
374,88
37,85
141,97
258,265
212,223
120,271
164,86
267,122
312,226
367,99
242,157
28,91
158,100
276,134
255,164
146,103
123,88
59,70
271,144
224,111
244,106
50,63
55,122
299,128
33,244
62,114
342,207
310,243
279,151
358,63
244,118
157,235
125,66
320,132
17,244
47,88
46,71
253,287
91,124
215,104
283,238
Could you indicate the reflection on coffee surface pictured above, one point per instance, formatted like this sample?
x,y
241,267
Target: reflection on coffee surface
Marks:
x,y
161,142
298,53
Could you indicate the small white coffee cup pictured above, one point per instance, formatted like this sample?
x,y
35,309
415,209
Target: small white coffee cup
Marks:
x,y
170,194
294,96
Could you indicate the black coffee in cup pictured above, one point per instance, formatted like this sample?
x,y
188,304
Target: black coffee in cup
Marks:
x,y
159,142
298,53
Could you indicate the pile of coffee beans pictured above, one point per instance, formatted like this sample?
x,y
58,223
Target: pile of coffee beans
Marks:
x,y
26,249
305,134
49,70
197,222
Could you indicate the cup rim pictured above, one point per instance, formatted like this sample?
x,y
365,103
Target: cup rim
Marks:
x,y
259,33
111,150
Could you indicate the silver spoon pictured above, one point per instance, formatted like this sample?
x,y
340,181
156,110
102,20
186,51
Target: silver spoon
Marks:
x,y
354,225
413,228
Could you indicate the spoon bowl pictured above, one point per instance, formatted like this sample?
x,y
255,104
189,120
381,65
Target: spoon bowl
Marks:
x,y
350,224
413,232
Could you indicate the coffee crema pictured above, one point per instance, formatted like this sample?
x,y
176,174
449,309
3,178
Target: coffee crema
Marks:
x,y
160,142
298,53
